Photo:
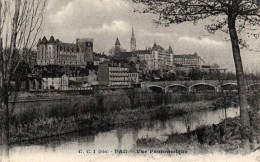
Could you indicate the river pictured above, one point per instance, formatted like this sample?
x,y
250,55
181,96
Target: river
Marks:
x,y
120,138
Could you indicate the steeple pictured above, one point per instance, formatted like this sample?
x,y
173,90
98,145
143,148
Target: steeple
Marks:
x,y
133,34
154,46
117,42
117,48
133,41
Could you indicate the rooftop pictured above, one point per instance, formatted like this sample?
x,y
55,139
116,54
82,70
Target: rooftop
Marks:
x,y
186,56
52,40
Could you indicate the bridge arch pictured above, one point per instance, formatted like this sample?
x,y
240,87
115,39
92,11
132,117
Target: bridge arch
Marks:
x,y
176,88
228,87
155,88
198,87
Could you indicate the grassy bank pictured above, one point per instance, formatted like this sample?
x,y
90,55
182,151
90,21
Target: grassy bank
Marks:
x,y
224,136
92,113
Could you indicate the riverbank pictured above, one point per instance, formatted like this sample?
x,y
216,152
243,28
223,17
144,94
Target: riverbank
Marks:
x,y
78,115
223,137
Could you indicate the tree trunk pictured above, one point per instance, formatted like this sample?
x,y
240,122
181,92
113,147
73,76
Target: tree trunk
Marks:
x,y
3,102
6,74
244,108
5,123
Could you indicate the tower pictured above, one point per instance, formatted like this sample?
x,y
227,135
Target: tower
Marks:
x,y
133,42
42,49
85,45
117,47
170,50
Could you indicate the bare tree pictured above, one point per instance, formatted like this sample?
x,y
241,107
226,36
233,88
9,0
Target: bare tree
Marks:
x,y
235,17
24,18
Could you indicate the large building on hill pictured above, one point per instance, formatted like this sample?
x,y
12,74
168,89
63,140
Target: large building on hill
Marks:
x,y
55,52
161,58
156,58
188,60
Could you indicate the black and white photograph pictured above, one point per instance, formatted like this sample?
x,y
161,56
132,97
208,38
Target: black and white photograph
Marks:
x,y
129,80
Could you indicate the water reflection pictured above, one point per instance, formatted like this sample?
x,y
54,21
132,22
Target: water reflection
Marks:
x,y
120,138
5,153
119,135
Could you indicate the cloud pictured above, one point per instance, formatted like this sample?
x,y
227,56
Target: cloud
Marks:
x,y
203,42
115,26
105,20
85,8
154,34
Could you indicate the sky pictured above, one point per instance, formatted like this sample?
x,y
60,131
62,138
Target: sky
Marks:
x,y
105,20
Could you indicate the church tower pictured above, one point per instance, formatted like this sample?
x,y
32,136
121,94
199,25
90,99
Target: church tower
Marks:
x,y
133,42
117,48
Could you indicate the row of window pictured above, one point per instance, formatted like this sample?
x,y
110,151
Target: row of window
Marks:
x,y
118,68
185,59
133,75
64,49
118,77
119,83
61,62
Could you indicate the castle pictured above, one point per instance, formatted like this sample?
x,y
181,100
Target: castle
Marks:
x,y
156,57
55,52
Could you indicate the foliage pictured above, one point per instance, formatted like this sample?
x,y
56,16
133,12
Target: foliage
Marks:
x,y
111,51
234,17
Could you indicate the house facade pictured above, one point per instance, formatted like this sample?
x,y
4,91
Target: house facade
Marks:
x,y
56,81
111,74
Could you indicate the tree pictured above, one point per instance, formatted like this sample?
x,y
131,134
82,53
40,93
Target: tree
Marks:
x,y
195,73
231,16
20,24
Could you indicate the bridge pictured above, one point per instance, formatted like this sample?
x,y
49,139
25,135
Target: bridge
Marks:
x,y
197,85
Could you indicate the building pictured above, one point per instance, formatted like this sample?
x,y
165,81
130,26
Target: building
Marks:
x,y
188,60
96,60
55,52
33,83
117,48
212,69
58,81
156,58
144,55
99,58
161,58
92,78
133,75
113,74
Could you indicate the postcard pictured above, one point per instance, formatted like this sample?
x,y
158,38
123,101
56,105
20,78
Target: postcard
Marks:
x,y
129,80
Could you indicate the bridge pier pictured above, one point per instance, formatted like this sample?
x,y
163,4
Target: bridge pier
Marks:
x,y
218,88
189,89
